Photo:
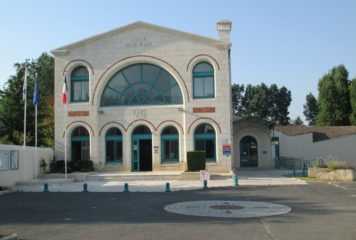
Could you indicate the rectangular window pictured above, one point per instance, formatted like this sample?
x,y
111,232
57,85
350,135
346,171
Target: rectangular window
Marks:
x,y
203,87
113,151
170,151
80,91
207,145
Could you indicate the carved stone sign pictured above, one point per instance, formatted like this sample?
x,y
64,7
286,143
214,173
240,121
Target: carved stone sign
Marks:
x,y
140,114
139,42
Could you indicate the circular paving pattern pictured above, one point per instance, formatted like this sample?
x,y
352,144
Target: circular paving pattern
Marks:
x,y
227,209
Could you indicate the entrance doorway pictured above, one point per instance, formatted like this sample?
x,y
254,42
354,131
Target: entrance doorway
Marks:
x,y
141,149
248,152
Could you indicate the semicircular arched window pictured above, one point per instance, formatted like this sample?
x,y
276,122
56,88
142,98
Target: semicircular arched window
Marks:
x,y
203,81
141,84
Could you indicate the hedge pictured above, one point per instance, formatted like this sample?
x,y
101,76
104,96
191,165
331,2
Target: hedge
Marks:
x,y
196,161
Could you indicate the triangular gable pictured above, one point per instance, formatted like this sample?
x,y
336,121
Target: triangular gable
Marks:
x,y
136,25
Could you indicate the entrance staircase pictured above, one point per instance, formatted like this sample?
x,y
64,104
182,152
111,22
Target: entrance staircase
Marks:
x,y
135,176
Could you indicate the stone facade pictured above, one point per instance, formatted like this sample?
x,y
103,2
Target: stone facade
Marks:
x,y
174,51
261,132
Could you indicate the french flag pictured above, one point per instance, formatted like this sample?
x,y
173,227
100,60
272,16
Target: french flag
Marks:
x,y
64,91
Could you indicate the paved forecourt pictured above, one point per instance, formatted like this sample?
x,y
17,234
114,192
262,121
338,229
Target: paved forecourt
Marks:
x,y
245,178
318,211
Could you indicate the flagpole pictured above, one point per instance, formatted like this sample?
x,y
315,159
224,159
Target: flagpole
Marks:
x,y
65,142
24,95
65,102
35,102
36,154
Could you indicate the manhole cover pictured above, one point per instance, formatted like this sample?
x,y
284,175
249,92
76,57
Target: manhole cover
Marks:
x,y
228,209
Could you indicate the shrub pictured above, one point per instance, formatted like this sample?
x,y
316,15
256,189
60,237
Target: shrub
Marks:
x,y
315,165
86,166
59,167
196,161
43,165
332,165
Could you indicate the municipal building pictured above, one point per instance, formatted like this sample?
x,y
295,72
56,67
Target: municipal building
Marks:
x,y
141,96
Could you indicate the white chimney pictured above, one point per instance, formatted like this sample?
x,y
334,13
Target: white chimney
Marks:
x,y
224,29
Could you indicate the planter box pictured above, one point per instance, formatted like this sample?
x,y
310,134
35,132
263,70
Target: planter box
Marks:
x,y
324,174
312,172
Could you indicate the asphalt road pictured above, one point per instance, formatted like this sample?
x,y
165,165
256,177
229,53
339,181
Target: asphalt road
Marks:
x,y
319,211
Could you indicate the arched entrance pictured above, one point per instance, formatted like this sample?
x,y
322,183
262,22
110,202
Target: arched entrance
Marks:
x,y
141,149
248,152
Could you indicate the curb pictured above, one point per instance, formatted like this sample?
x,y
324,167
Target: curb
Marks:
x,y
11,237
4,193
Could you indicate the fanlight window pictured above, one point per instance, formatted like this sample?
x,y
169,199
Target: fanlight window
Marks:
x,y
141,84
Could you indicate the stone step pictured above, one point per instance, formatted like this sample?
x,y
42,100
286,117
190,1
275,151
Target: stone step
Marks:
x,y
121,177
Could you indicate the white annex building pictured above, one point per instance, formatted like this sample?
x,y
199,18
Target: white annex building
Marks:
x,y
142,95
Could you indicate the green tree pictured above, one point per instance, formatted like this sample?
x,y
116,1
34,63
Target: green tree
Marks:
x,y
281,101
12,107
261,101
334,98
237,97
353,101
310,109
297,122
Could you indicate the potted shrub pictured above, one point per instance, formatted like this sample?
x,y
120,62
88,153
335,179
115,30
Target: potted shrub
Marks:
x,y
43,165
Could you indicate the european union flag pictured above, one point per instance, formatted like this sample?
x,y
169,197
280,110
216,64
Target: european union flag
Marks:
x,y
36,93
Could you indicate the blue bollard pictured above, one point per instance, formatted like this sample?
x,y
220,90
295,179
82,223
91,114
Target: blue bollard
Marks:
x,y
126,187
45,187
85,187
236,181
205,184
168,187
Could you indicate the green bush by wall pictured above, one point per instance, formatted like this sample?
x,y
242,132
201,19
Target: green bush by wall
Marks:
x,y
196,161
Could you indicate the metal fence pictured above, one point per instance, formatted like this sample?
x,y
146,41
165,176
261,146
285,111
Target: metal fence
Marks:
x,y
300,165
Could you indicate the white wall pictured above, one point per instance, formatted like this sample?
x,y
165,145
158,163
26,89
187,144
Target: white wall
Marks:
x,y
27,164
341,148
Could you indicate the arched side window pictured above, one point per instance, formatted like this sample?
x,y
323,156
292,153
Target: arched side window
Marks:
x,y
79,85
113,142
80,144
169,145
141,84
204,140
203,81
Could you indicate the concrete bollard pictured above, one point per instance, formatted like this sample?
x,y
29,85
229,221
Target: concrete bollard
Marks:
x,y
168,187
205,184
236,181
126,187
85,187
45,187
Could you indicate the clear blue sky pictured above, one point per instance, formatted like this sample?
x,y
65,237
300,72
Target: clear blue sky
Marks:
x,y
290,43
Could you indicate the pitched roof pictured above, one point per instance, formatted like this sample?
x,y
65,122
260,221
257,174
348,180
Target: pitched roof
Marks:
x,y
136,25
319,133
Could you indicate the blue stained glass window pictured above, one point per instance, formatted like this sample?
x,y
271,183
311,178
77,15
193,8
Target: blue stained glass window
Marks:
x,y
141,84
